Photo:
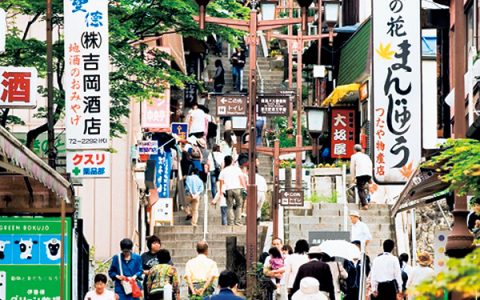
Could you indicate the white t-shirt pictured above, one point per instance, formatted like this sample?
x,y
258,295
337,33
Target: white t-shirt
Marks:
x,y
361,165
107,295
198,120
262,186
231,178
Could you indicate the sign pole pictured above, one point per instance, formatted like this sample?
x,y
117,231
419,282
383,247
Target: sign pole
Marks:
x,y
276,186
51,134
62,249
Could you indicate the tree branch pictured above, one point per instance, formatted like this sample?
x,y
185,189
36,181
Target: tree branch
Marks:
x,y
29,24
5,116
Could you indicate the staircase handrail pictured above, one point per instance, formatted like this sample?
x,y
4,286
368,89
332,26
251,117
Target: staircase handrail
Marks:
x,y
259,73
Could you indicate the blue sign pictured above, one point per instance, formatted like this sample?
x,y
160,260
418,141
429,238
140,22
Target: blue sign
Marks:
x,y
180,129
164,166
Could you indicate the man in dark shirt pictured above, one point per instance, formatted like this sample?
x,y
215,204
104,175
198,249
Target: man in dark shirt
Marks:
x,y
318,270
238,62
150,259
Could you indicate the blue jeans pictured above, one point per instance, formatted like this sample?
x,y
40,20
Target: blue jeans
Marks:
x,y
237,77
213,182
259,126
223,212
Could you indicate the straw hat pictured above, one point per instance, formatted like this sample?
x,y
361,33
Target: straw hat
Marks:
x,y
309,290
424,259
202,143
315,250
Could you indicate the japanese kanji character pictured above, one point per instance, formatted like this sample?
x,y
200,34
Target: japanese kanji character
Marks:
x,y
74,48
77,159
395,26
78,5
90,62
91,82
340,149
94,19
74,60
380,159
340,135
17,87
380,170
101,171
339,119
86,171
92,126
380,146
92,104
91,40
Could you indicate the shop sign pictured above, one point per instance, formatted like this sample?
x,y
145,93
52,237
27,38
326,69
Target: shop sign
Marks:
x,y
180,129
343,132
156,113
163,162
88,163
147,147
162,211
363,91
397,90
231,105
18,87
31,251
87,98
291,197
273,105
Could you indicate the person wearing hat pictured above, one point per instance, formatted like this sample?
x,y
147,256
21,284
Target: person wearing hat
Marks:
x,y
125,266
361,169
317,269
360,231
309,290
421,272
473,218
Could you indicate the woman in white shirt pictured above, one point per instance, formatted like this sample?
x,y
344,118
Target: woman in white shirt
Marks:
x,y
227,145
421,272
293,263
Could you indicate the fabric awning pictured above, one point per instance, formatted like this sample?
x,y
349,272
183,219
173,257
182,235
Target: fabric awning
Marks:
x,y
341,92
19,158
424,186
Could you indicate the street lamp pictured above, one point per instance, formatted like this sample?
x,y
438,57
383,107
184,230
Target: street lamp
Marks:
x,y
304,4
317,124
332,11
202,5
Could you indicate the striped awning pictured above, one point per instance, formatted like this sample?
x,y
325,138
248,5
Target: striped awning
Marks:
x,y
20,159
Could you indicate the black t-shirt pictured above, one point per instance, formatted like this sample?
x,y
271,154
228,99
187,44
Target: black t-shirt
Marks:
x,y
471,219
238,59
149,260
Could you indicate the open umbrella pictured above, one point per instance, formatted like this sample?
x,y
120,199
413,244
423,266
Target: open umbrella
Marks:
x,y
340,248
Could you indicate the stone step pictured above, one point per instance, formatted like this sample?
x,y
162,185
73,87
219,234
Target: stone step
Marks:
x,y
189,229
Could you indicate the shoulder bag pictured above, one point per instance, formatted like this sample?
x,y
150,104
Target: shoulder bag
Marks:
x,y
342,281
127,287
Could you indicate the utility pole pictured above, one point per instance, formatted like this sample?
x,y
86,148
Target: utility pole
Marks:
x,y
50,118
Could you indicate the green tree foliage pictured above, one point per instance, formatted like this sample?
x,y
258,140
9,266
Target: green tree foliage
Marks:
x,y
462,275
460,162
130,21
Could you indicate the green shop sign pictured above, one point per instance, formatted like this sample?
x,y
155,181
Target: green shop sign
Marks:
x,y
30,252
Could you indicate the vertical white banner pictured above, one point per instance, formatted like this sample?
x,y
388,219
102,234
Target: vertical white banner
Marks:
x,y
3,29
397,89
87,98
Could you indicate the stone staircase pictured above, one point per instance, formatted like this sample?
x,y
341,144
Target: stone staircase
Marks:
x,y
330,217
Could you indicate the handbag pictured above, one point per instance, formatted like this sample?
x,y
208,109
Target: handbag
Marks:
x,y
342,281
129,286
136,291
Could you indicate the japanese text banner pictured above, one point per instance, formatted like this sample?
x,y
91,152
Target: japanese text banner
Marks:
x,y
397,93
87,98
88,163
18,87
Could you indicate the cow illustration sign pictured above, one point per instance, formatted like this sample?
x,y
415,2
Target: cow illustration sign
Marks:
x,y
30,255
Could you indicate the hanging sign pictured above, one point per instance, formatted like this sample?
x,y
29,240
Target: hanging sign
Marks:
x,y
180,129
163,163
231,105
87,98
156,113
397,93
88,163
291,197
273,105
18,87
343,132
147,147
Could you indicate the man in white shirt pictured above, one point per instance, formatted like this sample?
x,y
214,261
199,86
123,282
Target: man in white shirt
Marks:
x,y
361,169
197,121
232,181
386,277
360,231
200,272
100,292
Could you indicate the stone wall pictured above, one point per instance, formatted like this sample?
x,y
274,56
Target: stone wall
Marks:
x,y
429,219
